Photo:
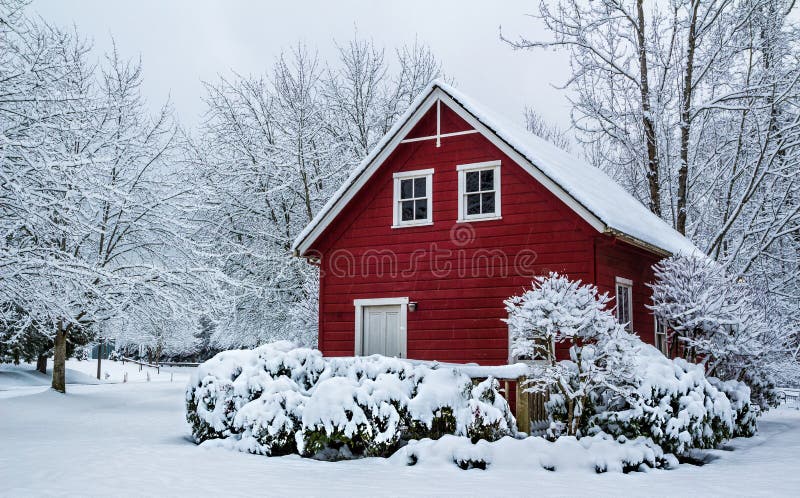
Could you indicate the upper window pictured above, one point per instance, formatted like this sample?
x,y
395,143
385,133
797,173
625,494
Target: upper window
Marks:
x,y
412,198
625,303
479,191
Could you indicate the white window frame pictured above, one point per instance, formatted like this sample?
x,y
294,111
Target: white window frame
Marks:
x,y
463,169
627,284
360,304
397,219
656,322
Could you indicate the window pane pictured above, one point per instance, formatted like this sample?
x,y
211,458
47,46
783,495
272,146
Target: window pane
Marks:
x,y
421,209
419,187
406,189
625,307
622,304
474,204
407,209
472,181
487,179
487,202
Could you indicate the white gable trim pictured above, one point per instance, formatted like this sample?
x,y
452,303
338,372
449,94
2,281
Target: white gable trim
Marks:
x,y
335,206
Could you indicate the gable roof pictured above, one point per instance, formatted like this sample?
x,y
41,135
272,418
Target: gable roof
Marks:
x,y
591,193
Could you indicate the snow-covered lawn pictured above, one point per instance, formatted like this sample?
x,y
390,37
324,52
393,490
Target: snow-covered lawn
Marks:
x,y
24,379
130,439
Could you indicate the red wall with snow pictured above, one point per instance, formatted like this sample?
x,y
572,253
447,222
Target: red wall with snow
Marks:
x,y
459,274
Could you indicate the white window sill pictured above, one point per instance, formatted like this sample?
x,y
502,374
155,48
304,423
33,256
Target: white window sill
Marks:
x,y
470,220
410,225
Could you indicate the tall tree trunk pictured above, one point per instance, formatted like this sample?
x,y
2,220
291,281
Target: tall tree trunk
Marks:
x,y
686,105
59,359
653,182
99,358
41,363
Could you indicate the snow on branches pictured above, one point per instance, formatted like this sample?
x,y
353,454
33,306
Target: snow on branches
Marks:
x,y
718,320
270,153
92,214
558,311
692,107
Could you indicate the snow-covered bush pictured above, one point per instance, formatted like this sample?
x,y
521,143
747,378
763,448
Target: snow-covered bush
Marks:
x,y
221,386
276,400
744,413
82,354
491,416
557,310
334,419
358,408
674,404
358,414
269,423
762,384
599,453
446,402
612,383
210,408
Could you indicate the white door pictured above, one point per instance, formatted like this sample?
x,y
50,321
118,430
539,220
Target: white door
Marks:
x,y
382,331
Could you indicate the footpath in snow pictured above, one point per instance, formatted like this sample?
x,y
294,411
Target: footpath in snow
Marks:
x,y
126,439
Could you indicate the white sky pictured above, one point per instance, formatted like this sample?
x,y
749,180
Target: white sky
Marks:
x,y
182,42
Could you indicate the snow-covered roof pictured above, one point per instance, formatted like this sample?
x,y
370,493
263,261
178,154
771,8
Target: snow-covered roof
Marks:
x,y
597,196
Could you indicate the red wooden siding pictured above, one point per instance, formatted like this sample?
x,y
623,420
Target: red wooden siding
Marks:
x,y
617,259
460,273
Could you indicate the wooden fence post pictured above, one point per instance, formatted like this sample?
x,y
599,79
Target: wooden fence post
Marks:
x,y
523,407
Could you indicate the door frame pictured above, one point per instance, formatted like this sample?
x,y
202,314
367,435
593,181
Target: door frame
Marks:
x,y
360,304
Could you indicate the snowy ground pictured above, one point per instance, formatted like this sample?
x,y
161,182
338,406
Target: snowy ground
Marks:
x,y
23,380
130,439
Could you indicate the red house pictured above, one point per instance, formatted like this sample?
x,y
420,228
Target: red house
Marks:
x,y
453,212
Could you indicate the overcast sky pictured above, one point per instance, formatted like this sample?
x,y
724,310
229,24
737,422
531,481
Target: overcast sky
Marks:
x,y
183,42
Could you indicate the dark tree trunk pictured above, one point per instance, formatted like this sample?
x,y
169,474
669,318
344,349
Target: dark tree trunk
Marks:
x,y
59,360
41,363
686,106
99,358
653,182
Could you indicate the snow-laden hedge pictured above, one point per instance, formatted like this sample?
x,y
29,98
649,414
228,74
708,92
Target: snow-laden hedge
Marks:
x,y
599,453
674,404
745,413
277,400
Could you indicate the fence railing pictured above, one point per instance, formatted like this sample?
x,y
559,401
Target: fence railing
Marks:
x,y
158,365
528,407
789,396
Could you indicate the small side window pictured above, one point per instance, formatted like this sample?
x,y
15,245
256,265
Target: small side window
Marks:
x,y
625,303
661,336
413,198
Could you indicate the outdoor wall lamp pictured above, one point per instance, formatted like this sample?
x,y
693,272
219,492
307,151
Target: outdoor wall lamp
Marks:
x,y
412,306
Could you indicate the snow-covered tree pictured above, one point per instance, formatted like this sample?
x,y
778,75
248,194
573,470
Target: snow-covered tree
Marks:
x,y
561,313
692,106
92,216
717,320
539,126
271,151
